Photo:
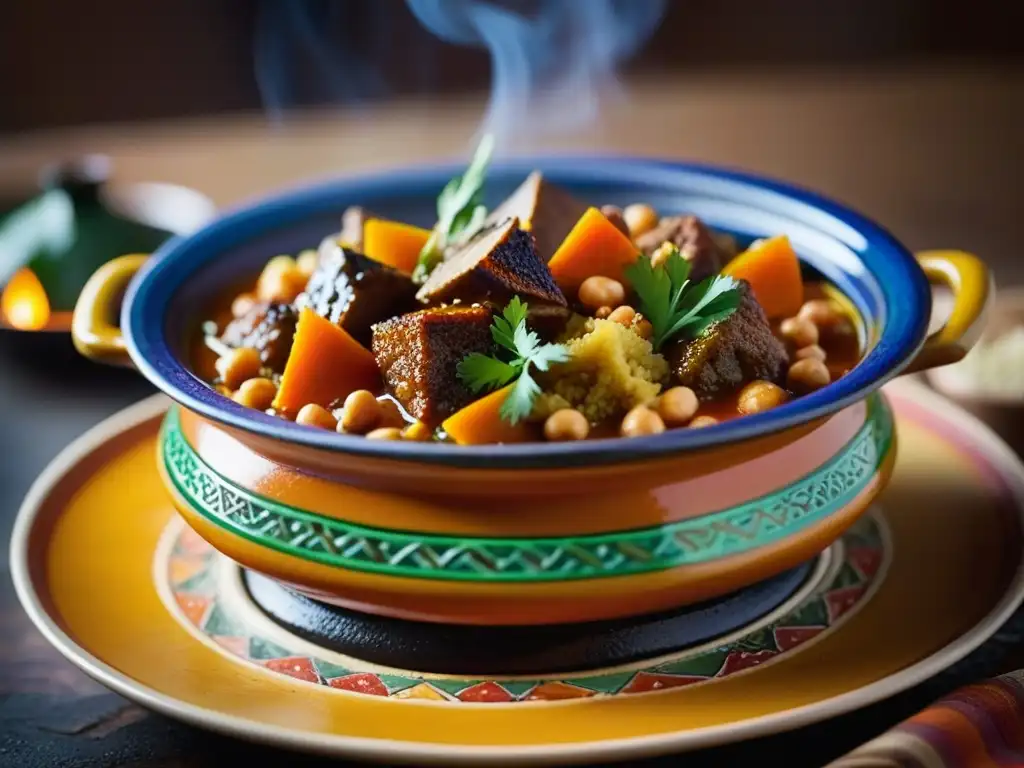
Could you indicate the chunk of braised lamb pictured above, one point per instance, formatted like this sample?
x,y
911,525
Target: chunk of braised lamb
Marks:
x,y
267,328
499,263
418,356
547,210
353,291
730,353
696,243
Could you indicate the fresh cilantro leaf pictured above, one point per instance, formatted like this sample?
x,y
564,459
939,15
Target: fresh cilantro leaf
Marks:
x,y
460,211
503,327
481,372
673,304
515,311
548,354
527,342
515,339
678,272
519,403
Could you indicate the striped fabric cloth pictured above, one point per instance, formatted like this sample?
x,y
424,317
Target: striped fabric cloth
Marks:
x,y
978,726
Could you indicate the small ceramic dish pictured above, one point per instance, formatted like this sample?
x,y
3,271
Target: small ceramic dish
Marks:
x,y
78,214
1002,410
532,533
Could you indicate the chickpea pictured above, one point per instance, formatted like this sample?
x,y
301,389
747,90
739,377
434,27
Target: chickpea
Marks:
x,y
642,327
307,262
641,421
313,415
640,218
623,315
800,331
602,312
281,280
598,291
238,366
760,396
385,433
700,422
565,425
807,375
614,214
813,352
661,254
258,393
360,413
417,431
390,414
822,312
677,406
243,303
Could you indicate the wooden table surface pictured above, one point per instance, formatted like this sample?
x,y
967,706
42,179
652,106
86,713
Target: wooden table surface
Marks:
x,y
937,155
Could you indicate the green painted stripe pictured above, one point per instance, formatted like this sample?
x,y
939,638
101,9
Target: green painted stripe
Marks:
x,y
716,535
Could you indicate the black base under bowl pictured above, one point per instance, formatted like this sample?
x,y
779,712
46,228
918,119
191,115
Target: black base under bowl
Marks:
x,y
517,650
51,355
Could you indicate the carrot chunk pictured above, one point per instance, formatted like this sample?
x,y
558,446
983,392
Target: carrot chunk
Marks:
x,y
393,243
325,364
480,423
594,246
773,271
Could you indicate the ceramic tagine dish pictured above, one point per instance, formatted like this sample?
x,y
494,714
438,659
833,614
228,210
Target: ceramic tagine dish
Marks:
x,y
546,430
52,242
499,525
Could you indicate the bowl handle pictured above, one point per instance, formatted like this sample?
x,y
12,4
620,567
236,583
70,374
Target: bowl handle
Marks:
x,y
973,291
94,326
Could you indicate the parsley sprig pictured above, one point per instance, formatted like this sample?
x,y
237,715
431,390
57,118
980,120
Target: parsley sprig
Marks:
x,y
460,211
524,349
673,304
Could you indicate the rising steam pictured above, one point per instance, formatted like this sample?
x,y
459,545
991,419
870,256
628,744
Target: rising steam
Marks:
x,y
553,61
304,55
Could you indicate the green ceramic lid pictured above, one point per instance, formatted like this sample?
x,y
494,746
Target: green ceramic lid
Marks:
x,y
79,221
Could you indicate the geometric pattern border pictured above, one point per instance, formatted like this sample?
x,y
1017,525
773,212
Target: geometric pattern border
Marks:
x,y
342,544
192,577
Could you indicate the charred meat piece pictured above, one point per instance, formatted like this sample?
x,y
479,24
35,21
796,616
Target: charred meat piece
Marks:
x,y
543,208
267,328
497,264
694,240
354,291
548,320
418,355
731,353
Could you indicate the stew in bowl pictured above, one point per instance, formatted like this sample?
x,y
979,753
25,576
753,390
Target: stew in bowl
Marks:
x,y
594,312
549,320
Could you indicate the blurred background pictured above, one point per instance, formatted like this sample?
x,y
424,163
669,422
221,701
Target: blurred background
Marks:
x,y
910,110
70,64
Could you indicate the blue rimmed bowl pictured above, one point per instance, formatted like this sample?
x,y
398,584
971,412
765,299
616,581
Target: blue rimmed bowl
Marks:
x,y
395,527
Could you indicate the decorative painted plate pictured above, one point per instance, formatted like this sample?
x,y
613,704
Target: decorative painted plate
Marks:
x,y
124,589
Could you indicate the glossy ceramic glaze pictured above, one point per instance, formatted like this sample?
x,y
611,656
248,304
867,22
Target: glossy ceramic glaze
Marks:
x,y
648,539
112,578
542,532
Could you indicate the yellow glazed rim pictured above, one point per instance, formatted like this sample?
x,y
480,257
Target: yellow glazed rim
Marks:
x,y
914,396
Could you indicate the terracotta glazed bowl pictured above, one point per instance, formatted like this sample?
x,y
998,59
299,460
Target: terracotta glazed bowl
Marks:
x,y
531,533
